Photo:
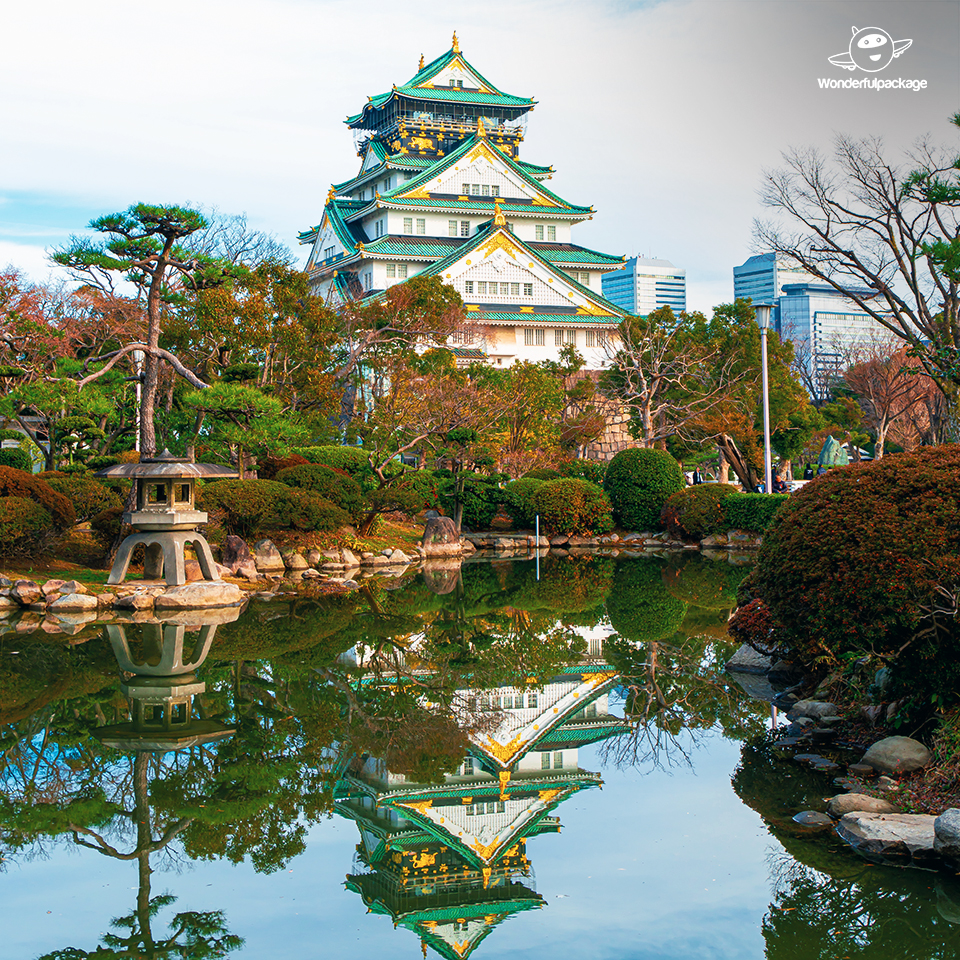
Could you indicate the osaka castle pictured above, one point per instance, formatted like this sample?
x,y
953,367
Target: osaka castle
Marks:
x,y
442,191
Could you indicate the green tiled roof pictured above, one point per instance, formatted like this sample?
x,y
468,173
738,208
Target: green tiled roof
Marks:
x,y
413,247
485,205
541,319
435,66
570,253
535,167
461,151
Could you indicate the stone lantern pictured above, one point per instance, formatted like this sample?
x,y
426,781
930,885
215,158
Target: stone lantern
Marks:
x,y
165,519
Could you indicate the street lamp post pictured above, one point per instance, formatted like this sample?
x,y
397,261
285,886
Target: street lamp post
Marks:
x,y
763,322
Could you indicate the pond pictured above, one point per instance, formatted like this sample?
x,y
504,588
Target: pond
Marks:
x,y
497,761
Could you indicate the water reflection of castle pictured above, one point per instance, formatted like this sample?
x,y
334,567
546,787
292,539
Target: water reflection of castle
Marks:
x,y
449,861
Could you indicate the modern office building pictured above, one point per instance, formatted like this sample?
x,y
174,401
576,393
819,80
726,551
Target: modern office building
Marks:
x,y
825,327
645,285
441,191
761,278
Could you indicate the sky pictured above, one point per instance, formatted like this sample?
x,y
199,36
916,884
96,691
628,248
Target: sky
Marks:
x,y
663,115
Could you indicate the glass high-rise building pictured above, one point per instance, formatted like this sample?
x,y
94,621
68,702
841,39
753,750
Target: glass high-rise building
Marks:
x,y
761,278
645,285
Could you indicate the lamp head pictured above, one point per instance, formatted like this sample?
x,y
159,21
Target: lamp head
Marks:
x,y
762,313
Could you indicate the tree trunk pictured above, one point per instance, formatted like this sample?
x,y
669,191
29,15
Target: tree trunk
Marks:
x,y
741,466
144,838
723,472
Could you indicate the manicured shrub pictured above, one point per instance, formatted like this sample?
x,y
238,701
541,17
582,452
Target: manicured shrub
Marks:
x,y
19,483
696,512
592,470
753,511
24,525
308,511
481,497
106,525
572,506
243,507
268,467
854,565
518,501
638,482
18,459
88,496
425,486
351,459
332,484
544,473
640,607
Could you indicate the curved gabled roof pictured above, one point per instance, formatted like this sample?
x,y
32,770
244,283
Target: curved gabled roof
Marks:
x,y
420,87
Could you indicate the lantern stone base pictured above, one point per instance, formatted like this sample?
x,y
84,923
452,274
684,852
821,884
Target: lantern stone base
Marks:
x,y
164,556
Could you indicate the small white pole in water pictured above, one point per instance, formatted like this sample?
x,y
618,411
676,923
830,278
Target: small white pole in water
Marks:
x,y
537,547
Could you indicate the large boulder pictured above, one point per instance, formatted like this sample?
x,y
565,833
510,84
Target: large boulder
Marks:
x,y
845,803
233,552
441,538
903,838
946,842
898,755
814,709
26,592
748,660
441,576
74,603
267,557
195,596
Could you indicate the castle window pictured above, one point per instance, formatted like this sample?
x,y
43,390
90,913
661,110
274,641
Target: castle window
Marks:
x,y
585,279
475,189
551,233
601,338
421,225
533,337
571,337
591,336
402,270
408,224
558,760
558,337
544,761
391,269
504,289
528,289
481,286
532,699
538,231
466,188
328,252
452,228
464,228
514,289
468,286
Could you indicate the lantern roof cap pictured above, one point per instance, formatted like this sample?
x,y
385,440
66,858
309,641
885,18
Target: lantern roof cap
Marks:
x,y
166,465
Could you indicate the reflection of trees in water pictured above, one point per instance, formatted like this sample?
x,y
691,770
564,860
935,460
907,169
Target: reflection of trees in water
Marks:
x,y
827,902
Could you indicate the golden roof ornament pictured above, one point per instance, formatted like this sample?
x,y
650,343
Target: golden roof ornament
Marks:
x,y
421,63
456,43
331,193
481,129
499,220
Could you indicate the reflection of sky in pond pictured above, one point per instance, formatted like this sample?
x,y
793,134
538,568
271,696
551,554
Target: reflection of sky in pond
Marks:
x,y
655,866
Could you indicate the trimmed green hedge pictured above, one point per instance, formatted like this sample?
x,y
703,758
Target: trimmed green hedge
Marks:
x,y
696,512
308,511
518,501
638,482
572,506
481,498
331,483
584,469
88,496
18,459
24,525
351,459
753,511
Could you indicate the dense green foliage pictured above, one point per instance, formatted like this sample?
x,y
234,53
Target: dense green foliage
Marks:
x,y
88,496
18,459
592,470
865,561
544,473
753,511
638,482
19,483
518,501
308,511
573,506
480,496
333,484
698,511
23,525
353,460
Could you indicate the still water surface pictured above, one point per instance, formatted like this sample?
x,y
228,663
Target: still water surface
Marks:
x,y
478,764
